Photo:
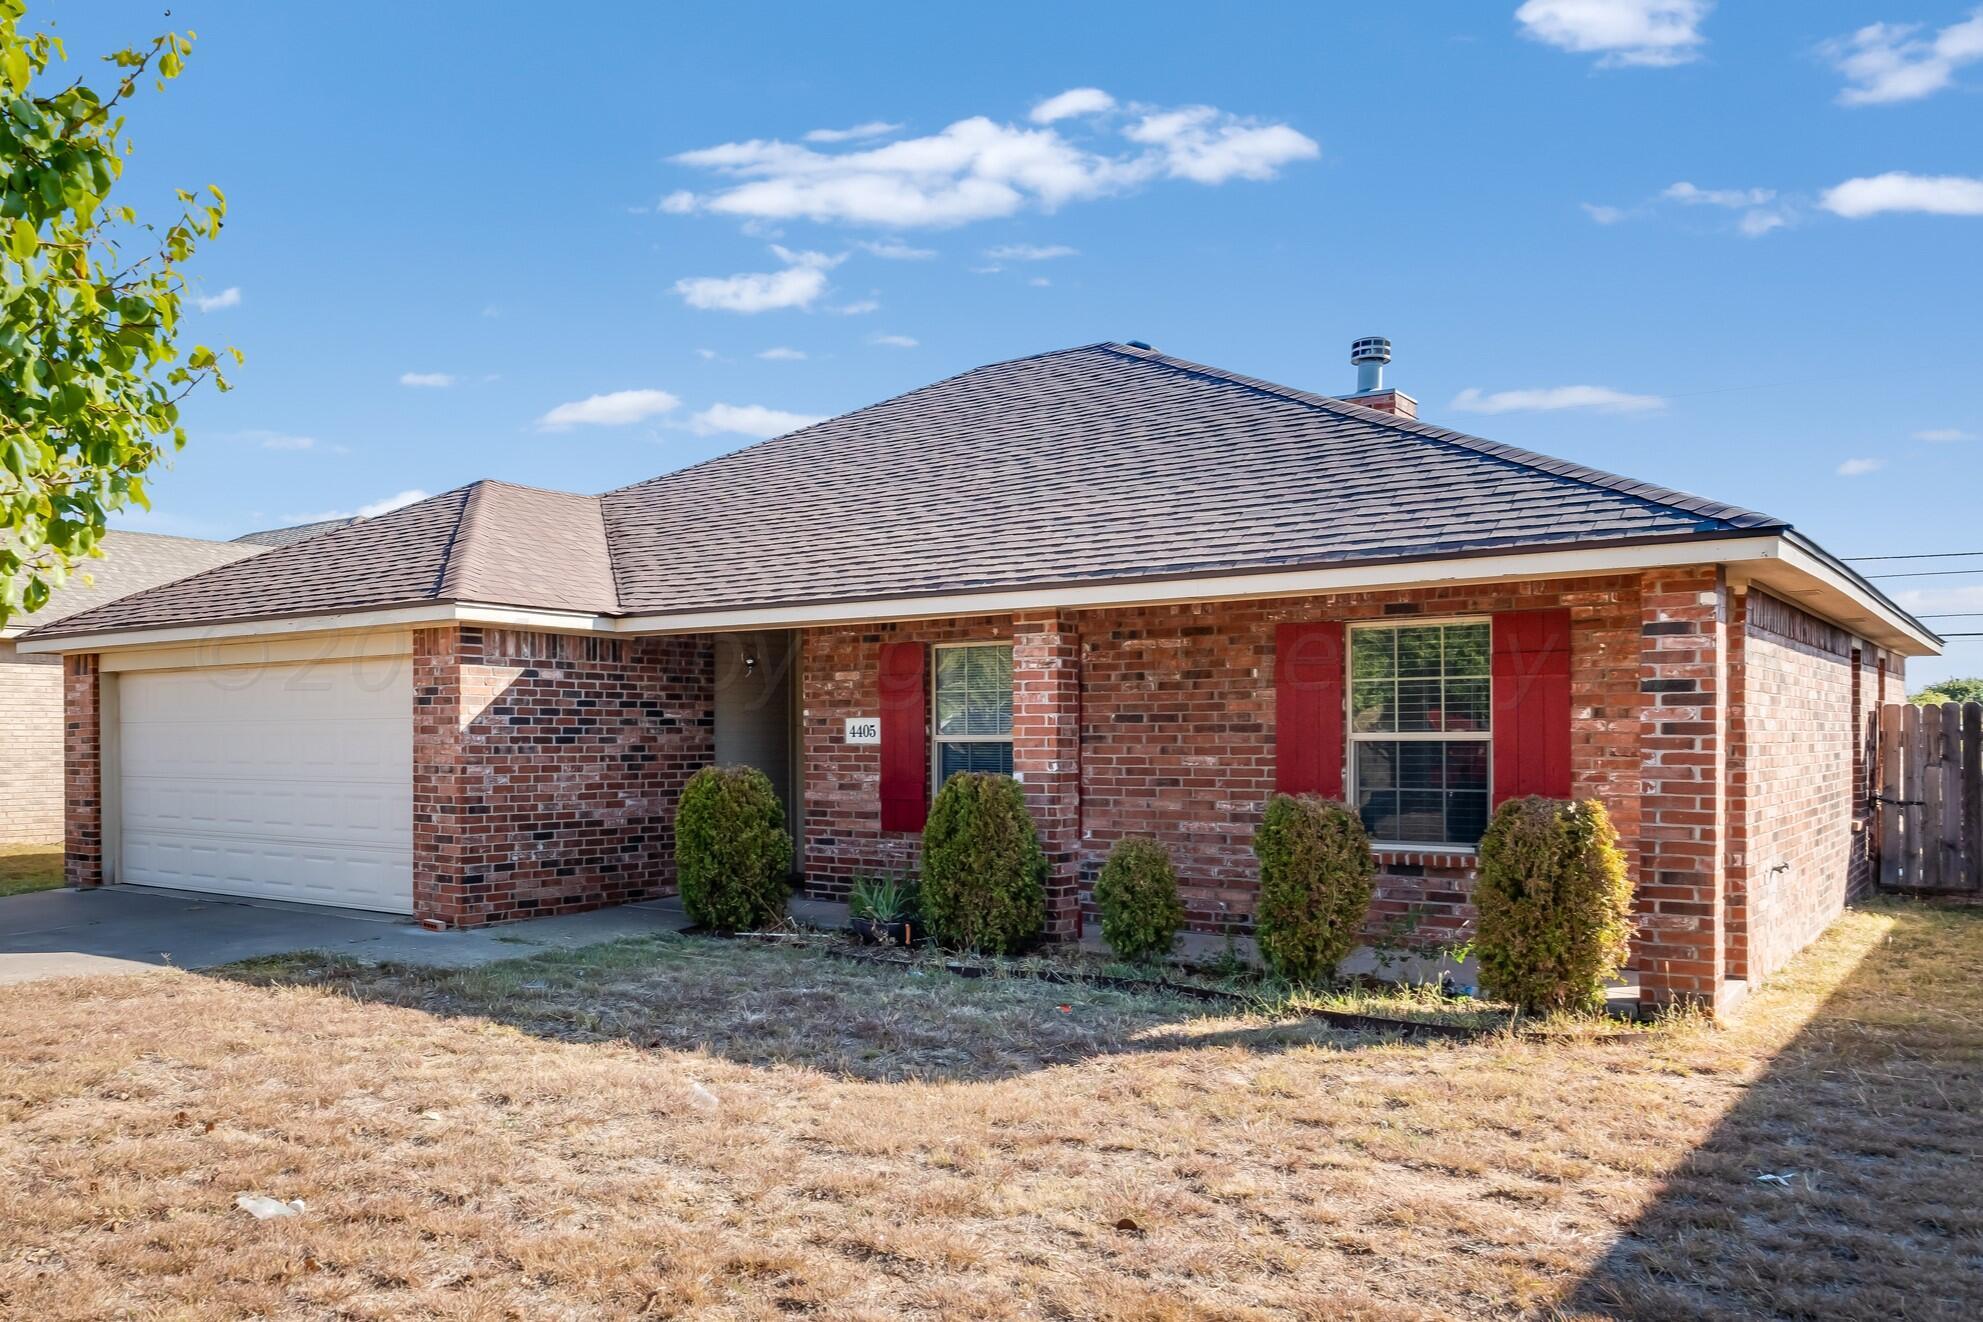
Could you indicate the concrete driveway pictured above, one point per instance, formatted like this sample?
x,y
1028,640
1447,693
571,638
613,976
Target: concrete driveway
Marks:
x,y
127,929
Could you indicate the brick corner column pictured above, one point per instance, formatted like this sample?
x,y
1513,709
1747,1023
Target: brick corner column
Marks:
x,y
1046,752
439,789
82,770
1679,951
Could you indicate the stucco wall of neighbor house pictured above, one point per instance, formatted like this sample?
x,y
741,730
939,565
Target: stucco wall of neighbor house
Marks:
x,y
547,767
30,747
1804,711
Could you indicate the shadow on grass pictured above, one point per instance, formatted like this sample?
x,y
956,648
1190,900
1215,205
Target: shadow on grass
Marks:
x,y
1845,1183
764,1005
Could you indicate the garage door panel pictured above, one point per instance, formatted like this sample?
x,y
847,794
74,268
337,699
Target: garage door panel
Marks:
x,y
285,782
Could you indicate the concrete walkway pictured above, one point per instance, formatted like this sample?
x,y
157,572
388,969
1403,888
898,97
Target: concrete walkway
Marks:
x,y
128,929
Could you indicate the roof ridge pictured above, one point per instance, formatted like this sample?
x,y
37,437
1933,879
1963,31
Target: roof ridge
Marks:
x,y
1649,493
454,556
169,536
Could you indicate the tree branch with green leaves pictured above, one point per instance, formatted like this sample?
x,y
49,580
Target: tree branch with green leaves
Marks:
x,y
92,372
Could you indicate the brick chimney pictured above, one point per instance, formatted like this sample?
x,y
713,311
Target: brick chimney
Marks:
x,y
1368,355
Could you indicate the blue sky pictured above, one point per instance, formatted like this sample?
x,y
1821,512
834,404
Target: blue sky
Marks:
x,y
466,246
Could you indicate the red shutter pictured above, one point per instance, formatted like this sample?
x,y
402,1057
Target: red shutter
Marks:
x,y
1532,704
904,710
1308,709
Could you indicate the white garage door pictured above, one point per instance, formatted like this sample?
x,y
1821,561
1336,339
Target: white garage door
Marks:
x,y
289,782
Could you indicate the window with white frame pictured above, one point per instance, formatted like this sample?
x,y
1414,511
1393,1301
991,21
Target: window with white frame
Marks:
x,y
1420,713
973,700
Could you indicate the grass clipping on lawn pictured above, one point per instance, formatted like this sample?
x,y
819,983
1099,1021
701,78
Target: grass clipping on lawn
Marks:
x,y
676,1127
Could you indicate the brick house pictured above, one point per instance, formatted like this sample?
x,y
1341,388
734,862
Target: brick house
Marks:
x,y
31,684
1154,591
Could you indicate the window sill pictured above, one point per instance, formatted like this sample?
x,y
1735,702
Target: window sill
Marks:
x,y
1436,856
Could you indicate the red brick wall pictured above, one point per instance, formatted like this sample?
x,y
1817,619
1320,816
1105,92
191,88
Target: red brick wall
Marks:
x,y
82,777
1177,736
1798,784
547,768
843,838
1679,947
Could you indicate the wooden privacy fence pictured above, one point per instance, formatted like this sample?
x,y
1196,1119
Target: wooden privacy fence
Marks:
x,y
1931,797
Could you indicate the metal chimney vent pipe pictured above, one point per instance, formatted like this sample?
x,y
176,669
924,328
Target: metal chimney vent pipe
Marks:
x,y
1368,355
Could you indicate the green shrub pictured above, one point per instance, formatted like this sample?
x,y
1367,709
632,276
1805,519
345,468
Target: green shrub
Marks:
x,y
984,877
1555,904
1137,894
1315,883
733,856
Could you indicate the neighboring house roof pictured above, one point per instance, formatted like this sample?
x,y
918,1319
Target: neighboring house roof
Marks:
x,y
1106,462
131,562
300,532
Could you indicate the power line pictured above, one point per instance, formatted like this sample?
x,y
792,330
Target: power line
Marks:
x,y
1926,573
1925,555
1950,615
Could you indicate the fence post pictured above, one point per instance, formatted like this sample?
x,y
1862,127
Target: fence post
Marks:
x,y
1972,795
1948,749
1920,797
1892,846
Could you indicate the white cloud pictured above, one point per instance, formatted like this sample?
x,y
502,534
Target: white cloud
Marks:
x,y
707,355
1917,601
779,353
1654,33
1938,195
895,250
617,409
679,203
753,420
390,503
977,169
1888,62
1717,197
802,281
1075,101
1942,435
1603,215
395,501
1029,252
1552,398
874,128
229,297
277,441
893,341
429,380
1209,146
1860,467
860,307
1755,224
1039,282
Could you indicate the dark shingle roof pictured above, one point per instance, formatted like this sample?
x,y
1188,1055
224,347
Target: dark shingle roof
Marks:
x,y
487,542
1102,462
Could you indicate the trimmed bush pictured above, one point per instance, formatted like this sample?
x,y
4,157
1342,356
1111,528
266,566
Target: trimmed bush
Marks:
x,y
1137,894
1315,884
1555,904
984,877
733,856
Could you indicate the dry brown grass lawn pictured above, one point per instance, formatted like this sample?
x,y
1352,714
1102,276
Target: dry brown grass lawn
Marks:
x,y
678,1127
25,868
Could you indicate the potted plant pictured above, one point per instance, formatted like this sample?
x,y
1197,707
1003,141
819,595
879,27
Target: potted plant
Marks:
x,y
879,911
882,910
